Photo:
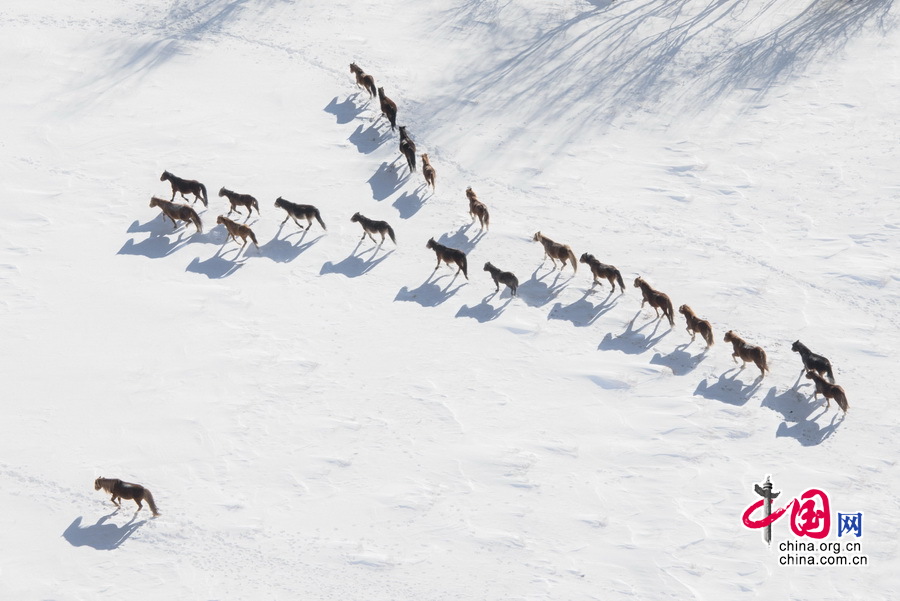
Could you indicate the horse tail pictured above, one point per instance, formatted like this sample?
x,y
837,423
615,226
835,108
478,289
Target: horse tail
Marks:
x,y
195,218
830,373
150,502
763,364
253,237
464,265
487,223
571,255
319,219
619,279
841,399
204,197
669,310
708,333
390,232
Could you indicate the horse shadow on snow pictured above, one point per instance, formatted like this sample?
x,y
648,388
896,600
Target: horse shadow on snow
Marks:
x,y
635,341
728,389
356,264
582,312
485,311
801,416
538,291
430,294
102,536
679,360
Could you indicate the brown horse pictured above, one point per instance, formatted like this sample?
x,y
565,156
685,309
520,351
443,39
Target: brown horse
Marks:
x,y
747,352
695,325
502,277
658,300
245,200
364,80
237,229
428,171
371,226
555,250
126,490
177,212
408,148
449,255
388,108
602,270
828,390
478,210
191,186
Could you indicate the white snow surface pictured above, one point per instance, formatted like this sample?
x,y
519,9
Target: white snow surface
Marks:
x,y
323,419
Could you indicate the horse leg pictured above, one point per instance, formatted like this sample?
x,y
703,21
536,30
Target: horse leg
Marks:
x,y
113,499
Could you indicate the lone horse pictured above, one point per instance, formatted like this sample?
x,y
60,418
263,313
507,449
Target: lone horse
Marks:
x,y
126,490
555,250
658,300
364,80
177,212
189,186
747,352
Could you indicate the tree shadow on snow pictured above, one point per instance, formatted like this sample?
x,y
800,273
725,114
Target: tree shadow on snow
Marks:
x,y
634,342
582,312
101,536
728,389
801,416
430,294
356,264
485,311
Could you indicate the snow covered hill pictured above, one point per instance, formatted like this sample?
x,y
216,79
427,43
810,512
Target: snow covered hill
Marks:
x,y
319,418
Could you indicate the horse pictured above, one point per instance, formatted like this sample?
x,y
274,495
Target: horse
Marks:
x,y
502,277
175,211
478,209
295,211
658,300
602,270
449,255
828,390
408,148
371,226
237,229
388,108
428,171
747,352
555,250
812,360
364,80
191,186
696,325
126,490
245,200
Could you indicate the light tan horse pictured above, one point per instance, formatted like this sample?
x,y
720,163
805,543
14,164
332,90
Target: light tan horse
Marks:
x,y
428,171
237,229
364,80
747,352
126,490
555,250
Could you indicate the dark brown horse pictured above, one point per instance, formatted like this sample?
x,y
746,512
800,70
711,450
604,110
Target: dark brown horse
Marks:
x,y
177,212
555,250
812,360
658,300
502,277
602,270
428,171
828,390
408,148
747,352
477,209
695,325
364,80
449,255
126,490
371,226
388,108
189,186
244,200
297,211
